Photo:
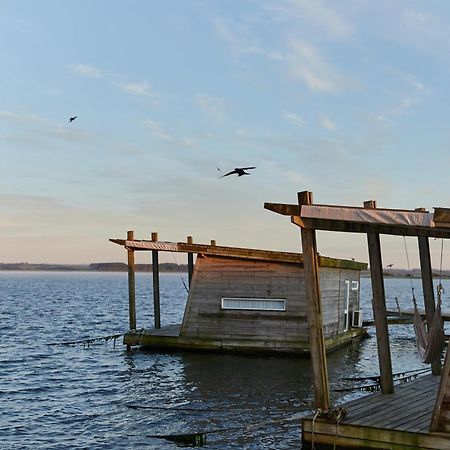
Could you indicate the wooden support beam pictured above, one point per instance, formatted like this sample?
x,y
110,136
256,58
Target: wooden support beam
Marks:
x,y
428,291
131,284
190,261
379,309
440,419
281,208
315,320
155,267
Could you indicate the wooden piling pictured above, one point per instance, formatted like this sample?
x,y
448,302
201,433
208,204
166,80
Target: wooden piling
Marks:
x,y
190,257
156,299
315,319
131,284
379,308
428,291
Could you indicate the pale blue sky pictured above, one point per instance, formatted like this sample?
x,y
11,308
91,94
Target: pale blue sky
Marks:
x,y
347,99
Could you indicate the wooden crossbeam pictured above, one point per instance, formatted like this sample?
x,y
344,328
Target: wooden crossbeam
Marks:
x,y
359,220
235,252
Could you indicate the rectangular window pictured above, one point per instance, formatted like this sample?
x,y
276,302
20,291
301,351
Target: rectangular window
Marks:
x,y
355,285
254,304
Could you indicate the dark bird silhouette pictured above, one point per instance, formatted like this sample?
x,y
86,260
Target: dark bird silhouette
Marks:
x,y
389,265
239,171
72,118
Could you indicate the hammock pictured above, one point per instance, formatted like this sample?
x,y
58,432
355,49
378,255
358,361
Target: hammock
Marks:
x,y
430,344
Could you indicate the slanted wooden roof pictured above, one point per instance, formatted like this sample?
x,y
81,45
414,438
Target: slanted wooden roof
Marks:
x,y
234,252
367,220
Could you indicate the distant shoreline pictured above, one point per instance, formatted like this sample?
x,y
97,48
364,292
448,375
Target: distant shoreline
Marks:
x,y
171,267
94,267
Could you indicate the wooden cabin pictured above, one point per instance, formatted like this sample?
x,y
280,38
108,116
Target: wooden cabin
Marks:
x,y
249,300
412,416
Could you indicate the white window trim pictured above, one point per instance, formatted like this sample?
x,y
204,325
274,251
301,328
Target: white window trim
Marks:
x,y
281,301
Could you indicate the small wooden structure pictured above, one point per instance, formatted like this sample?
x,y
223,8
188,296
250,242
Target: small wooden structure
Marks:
x,y
247,300
414,417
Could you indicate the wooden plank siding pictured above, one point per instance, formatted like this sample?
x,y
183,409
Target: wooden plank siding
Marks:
x,y
217,277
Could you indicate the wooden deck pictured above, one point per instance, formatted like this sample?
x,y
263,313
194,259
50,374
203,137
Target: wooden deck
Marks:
x,y
382,421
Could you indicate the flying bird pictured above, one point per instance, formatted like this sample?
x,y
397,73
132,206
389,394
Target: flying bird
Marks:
x,y
239,171
72,118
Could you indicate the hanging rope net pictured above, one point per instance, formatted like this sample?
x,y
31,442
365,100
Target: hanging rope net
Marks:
x,y
429,343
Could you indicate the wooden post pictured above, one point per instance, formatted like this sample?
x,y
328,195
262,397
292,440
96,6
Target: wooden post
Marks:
x,y
190,261
428,291
379,308
131,284
315,320
155,267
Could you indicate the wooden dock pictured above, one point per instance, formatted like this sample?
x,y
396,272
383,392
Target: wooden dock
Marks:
x,y
382,421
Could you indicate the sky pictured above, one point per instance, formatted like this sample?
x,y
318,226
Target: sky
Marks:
x,y
348,99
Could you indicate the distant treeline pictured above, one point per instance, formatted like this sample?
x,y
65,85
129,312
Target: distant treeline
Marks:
x,y
95,267
404,273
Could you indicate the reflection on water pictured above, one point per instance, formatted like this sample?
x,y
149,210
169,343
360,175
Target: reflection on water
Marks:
x,y
73,397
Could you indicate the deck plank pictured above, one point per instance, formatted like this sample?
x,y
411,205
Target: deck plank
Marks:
x,y
384,421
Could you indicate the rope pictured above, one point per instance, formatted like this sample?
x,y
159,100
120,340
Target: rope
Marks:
x,y
246,428
410,273
90,340
440,288
316,415
334,414
181,276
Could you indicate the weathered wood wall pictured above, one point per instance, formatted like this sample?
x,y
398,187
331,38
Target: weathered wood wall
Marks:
x,y
217,277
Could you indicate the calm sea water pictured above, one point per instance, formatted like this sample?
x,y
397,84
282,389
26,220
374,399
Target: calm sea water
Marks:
x,y
78,397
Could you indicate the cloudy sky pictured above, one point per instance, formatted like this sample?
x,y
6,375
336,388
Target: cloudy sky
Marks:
x,y
349,100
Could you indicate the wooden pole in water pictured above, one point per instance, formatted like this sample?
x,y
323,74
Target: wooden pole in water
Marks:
x,y
428,291
379,309
190,261
131,284
315,320
155,267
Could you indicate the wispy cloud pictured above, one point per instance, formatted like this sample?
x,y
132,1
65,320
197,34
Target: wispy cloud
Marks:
x,y
238,36
317,14
306,63
422,29
212,107
411,94
16,117
415,83
86,70
157,130
160,133
327,123
142,89
293,118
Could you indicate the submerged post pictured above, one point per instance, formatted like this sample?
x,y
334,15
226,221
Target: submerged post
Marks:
x,y
315,320
379,308
131,284
155,267
190,261
428,291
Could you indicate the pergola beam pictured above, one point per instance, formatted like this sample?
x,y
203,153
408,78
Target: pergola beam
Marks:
x,y
359,220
